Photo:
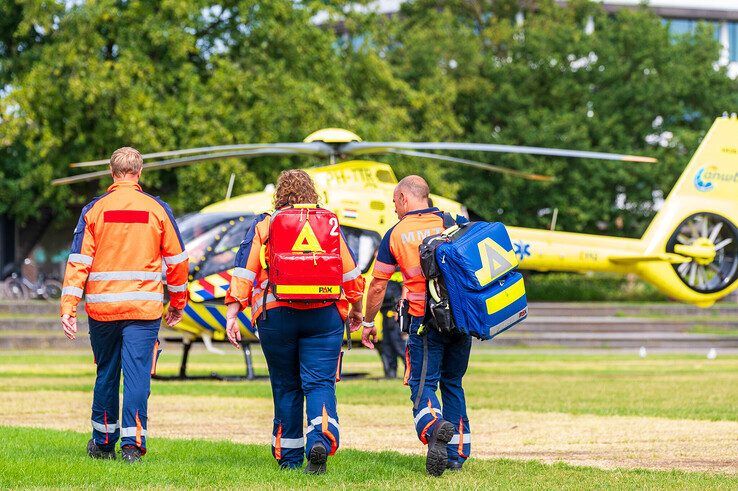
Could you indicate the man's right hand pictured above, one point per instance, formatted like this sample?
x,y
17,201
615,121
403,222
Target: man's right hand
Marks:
x,y
69,324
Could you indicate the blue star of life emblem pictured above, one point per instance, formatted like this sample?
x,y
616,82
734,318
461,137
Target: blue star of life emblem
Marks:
x,y
522,250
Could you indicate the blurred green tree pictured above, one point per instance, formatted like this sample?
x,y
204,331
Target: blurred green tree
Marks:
x,y
79,79
168,75
482,73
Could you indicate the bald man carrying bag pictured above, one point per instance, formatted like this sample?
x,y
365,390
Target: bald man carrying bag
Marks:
x,y
435,358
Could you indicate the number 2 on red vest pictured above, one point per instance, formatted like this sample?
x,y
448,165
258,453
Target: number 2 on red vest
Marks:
x,y
305,255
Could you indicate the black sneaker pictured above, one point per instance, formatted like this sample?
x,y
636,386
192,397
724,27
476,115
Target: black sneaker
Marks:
x,y
454,465
437,457
130,454
94,451
316,459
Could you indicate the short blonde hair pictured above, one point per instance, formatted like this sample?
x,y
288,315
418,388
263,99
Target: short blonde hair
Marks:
x,y
126,160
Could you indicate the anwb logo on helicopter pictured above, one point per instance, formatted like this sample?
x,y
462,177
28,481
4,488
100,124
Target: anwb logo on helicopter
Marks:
x,y
703,179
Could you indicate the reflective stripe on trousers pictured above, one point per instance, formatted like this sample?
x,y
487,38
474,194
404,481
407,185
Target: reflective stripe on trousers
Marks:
x,y
289,442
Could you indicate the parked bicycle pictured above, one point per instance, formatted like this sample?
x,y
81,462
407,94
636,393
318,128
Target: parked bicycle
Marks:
x,y
18,287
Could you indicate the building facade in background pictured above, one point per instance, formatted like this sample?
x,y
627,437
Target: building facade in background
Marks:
x,y
682,17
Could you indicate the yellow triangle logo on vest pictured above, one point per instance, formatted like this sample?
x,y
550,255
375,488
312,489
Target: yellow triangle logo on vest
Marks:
x,y
307,241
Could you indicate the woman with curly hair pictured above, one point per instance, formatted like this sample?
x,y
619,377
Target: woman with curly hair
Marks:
x,y
300,340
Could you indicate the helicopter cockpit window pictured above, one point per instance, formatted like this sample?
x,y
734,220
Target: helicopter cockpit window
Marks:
x,y
194,225
221,247
233,236
363,244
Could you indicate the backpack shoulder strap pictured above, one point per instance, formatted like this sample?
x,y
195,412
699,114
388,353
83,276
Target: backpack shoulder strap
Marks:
x,y
448,220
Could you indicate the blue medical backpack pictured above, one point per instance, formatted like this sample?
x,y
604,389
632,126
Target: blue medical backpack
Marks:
x,y
478,274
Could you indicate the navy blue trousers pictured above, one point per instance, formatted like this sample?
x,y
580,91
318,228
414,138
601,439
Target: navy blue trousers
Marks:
x,y
448,358
302,350
133,347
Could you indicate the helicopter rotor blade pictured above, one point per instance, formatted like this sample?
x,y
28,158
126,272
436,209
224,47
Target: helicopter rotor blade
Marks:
x,y
358,148
479,165
178,162
312,148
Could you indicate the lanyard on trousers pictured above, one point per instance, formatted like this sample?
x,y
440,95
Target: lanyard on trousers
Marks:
x,y
423,370
348,334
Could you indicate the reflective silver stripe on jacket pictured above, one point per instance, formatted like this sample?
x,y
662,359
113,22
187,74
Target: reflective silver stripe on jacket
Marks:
x,y
455,439
124,275
171,260
354,273
260,303
72,290
177,288
385,268
131,431
244,273
124,297
415,296
288,442
427,410
80,258
103,428
411,273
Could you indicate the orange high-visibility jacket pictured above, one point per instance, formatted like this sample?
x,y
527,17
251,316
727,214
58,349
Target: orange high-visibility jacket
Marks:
x,y
250,279
119,244
399,247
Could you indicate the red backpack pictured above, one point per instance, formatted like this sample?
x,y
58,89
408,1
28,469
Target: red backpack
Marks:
x,y
305,254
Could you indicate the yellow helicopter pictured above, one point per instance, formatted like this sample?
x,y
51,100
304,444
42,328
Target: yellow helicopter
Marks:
x,y
689,251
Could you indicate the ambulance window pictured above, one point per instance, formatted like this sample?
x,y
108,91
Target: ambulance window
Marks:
x,y
363,244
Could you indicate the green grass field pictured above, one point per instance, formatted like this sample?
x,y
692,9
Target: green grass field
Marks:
x,y
38,458
672,386
597,387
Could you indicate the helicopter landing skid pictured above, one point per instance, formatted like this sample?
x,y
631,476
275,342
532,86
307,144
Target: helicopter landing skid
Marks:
x,y
182,375
248,359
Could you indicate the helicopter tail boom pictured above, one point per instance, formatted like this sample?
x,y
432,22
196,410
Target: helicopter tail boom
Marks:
x,y
690,249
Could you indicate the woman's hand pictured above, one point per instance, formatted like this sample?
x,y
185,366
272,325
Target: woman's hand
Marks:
x,y
232,329
354,318
355,315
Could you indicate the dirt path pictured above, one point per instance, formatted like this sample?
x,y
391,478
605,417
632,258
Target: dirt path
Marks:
x,y
599,441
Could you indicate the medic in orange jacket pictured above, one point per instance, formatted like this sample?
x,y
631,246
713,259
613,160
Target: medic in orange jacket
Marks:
x,y
121,277
250,279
